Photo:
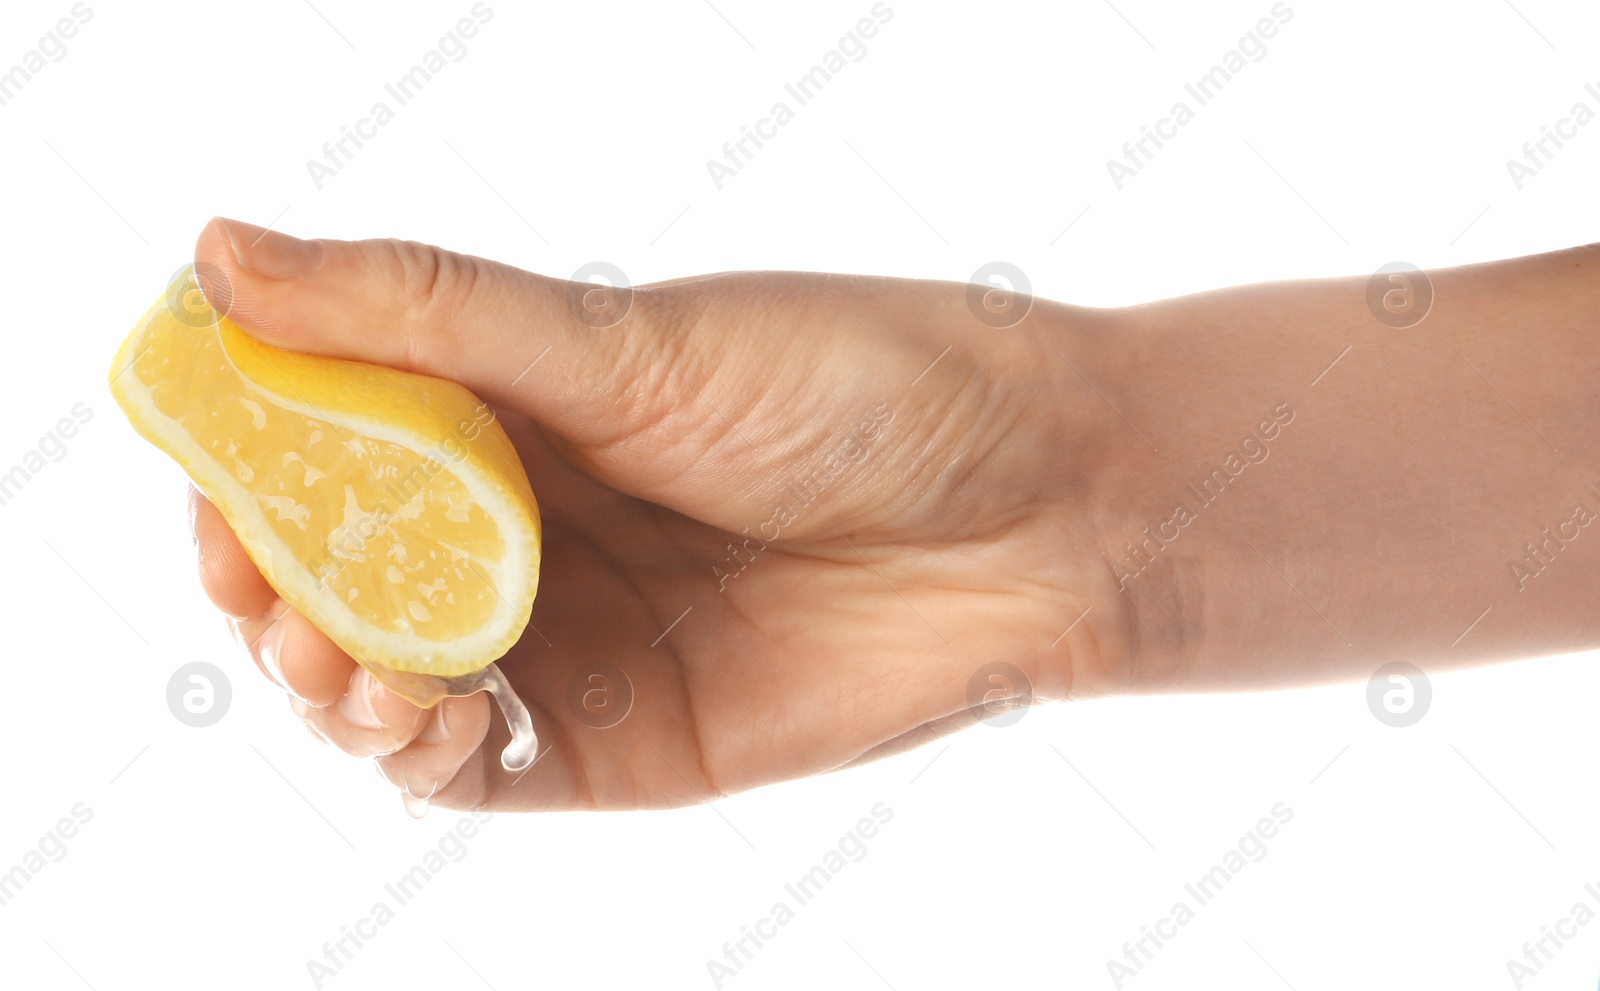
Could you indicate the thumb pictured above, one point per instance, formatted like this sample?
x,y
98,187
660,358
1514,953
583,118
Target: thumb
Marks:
x,y
564,353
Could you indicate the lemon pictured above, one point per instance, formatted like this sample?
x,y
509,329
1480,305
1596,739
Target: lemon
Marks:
x,y
389,508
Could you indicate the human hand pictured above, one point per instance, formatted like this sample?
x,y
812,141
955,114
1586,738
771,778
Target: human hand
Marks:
x,y
791,514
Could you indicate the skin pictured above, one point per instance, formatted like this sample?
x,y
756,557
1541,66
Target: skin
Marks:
x,y
992,478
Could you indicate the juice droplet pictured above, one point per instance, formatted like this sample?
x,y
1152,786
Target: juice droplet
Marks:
x,y
519,754
416,807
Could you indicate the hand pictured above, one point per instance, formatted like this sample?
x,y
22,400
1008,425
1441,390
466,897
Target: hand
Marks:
x,y
797,512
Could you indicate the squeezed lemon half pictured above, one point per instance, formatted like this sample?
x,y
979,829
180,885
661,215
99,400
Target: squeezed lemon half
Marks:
x,y
389,508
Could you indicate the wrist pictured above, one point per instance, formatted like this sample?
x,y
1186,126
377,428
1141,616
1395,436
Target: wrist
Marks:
x,y
1076,379
1217,514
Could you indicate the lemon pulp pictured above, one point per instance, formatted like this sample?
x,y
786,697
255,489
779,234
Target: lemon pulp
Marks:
x,y
390,508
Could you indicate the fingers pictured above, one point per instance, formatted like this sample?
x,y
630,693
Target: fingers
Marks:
x,y
305,662
283,643
450,735
369,720
248,634
422,309
230,579
341,700
420,750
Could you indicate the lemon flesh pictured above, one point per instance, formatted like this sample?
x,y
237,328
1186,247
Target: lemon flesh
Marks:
x,y
389,508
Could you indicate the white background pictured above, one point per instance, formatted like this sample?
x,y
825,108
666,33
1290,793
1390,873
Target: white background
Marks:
x,y
226,856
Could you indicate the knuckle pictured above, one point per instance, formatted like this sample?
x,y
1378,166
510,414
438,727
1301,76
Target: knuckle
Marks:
x,y
673,398
649,380
669,312
433,285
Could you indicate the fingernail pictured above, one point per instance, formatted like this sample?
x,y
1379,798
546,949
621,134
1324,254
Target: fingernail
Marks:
x,y
272,654
436,731
356,706
271,254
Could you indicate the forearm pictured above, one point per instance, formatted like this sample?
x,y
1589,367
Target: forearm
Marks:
x,y
1409,471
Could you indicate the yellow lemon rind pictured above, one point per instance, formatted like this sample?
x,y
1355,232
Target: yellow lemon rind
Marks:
x,y
515,578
